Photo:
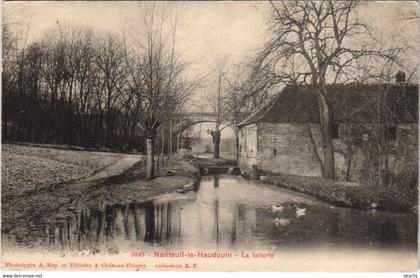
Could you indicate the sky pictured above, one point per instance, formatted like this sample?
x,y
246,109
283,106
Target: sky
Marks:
x,y
207,32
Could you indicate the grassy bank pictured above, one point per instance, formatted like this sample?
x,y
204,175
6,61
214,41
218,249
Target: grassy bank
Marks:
x,y
26,169
350,194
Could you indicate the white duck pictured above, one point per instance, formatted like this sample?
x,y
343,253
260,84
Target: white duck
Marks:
x,y
281,221
275,208
300,212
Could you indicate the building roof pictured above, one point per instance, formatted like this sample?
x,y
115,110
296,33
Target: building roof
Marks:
x,y
350,103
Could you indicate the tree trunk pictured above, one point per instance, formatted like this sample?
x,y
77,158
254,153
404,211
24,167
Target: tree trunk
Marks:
x,y
216,142
150,157
237,148
162,151
349,160
216,149
327,146
158,156
178,141
170,137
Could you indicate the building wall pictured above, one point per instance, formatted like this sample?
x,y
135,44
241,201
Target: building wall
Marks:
x,y
398,154
248,146
287,148
295,149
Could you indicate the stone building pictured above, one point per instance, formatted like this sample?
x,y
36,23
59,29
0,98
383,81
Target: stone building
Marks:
x,y
373,125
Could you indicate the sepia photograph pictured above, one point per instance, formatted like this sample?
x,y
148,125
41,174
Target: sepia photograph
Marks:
x,y
209,136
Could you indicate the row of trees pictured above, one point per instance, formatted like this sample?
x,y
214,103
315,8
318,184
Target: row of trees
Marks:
x,y
75,86
68,88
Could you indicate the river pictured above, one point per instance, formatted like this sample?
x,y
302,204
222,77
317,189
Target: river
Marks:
x,y
231,213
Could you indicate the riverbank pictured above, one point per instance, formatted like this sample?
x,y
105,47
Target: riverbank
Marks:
x,y
28,169
40,186
122,182
350,195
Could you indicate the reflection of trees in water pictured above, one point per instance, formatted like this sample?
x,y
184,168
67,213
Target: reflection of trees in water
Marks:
x,y
158,223
145,222
243,226
389,231
212,221
151,223
139,219
385,231
216,210
216,181
233,225
216,220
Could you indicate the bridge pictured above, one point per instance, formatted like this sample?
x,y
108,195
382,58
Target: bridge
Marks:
x,y
181,121
195,117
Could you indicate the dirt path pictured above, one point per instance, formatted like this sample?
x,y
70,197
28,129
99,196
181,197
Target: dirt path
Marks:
x,y
123,165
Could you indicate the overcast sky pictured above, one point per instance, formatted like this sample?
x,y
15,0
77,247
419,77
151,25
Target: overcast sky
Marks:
x,y
207,31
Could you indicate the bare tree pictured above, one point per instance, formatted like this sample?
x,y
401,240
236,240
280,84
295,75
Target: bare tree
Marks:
x,y
316,42
9,43
217,103
110,59
69,87
157,75
245,92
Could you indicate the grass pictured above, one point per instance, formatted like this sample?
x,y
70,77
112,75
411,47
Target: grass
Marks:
x,y
362,196
26,168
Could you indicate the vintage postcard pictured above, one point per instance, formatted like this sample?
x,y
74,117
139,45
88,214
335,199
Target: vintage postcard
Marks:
x,y
269,136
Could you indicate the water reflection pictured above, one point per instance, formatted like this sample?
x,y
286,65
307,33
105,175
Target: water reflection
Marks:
x,y
229,212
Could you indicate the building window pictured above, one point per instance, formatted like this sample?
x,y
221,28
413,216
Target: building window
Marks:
x,y
391,133
334,131
274,151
